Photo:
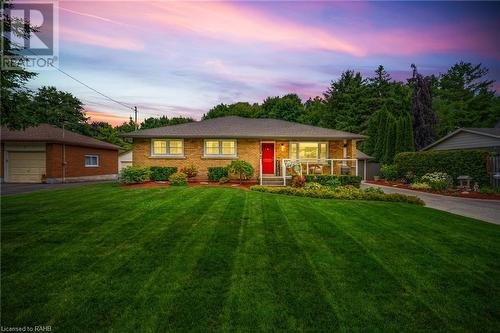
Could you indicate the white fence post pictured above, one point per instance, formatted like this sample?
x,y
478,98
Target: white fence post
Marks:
x,y
260,171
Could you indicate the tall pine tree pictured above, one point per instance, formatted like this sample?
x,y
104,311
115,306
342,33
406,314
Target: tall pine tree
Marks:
x,y
424,117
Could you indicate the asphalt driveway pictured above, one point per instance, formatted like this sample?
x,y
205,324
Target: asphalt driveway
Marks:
x,y
7,189
485,210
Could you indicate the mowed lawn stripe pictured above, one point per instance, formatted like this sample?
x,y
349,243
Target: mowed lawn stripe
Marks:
x,y
122,275
82,267
156,297
252,304
198,306
442,282
295,284
356,278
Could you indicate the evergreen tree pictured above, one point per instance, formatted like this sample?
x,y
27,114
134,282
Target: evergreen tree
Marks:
x,y
380,137
390,140
424,117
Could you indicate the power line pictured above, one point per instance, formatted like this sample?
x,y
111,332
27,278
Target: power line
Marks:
x,y
83,83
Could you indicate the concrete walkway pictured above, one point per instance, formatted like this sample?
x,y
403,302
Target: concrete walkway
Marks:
x,y
486,210
11,188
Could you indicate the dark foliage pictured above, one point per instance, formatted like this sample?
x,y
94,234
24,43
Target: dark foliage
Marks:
x,y
162,173
326,179
216,173
424,117
455,163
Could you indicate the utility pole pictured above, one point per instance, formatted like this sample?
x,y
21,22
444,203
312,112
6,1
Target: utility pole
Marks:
x,y
135,119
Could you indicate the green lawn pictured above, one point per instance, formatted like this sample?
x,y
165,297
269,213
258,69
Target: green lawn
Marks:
x,y
104,258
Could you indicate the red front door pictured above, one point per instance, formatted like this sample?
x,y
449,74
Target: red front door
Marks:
x,y
267,158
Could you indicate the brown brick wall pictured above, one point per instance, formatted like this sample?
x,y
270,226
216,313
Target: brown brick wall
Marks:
x,y
75,161
247,150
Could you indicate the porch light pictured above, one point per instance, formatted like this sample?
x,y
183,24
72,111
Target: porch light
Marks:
x,y
282,147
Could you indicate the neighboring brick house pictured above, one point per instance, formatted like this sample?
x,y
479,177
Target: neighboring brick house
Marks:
x,y
50,154
274,147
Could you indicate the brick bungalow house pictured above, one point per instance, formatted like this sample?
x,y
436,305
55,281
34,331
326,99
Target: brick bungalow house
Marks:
x,y
50,154
274,147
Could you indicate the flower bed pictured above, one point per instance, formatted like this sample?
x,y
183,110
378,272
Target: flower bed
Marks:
x,y
453,193
244,185
342,193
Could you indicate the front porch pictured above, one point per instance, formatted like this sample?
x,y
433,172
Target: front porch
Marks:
x,y
286,168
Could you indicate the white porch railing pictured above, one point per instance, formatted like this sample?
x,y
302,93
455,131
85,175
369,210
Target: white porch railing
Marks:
x,y
329,166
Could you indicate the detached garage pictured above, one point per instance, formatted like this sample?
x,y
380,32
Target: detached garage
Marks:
x,y
50,154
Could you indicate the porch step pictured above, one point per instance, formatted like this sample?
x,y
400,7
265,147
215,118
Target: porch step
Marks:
x,y
272,181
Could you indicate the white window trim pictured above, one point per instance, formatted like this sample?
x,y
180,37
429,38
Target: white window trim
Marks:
x,y
92,166
205,155
152,154
308,159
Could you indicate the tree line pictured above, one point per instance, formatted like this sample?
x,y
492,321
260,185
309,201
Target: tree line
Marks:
x,y
396,116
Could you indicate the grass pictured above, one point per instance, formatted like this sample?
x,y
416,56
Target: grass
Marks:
x,y
102,258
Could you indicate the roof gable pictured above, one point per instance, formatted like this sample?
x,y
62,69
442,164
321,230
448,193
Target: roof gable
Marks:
x,y
239,127
492,133
50,133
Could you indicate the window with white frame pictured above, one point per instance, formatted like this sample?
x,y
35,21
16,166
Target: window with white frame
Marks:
x,y
309,150
220,148
91,161
165,147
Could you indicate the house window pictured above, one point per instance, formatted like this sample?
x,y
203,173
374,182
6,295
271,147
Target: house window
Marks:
x,y
220,148
91,161
162,147
309,150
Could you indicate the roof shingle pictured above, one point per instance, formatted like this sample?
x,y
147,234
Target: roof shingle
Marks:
x,y
248,128
53,134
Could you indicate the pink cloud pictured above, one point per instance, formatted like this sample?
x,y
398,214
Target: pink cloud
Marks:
x,y
113,119
240,23
98,39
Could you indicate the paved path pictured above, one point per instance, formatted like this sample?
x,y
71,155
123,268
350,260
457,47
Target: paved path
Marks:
x,y
7,189
486,210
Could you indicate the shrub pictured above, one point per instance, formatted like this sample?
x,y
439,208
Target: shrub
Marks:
x,y
374,190
190,171
328,180
312,186
343,193
455,163
161,173
298,181
178,179
489,190
134,175
420,186
410,177
333,183
216,173
389,172
438,181
243,169
223,180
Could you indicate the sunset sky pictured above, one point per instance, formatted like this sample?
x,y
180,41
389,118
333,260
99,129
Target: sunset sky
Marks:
x,y
182,58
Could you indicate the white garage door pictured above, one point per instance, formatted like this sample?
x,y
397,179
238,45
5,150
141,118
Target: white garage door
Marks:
x,y
26,167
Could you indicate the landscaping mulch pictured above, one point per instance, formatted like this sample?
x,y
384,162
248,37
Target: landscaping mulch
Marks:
x,y
244,185
457,193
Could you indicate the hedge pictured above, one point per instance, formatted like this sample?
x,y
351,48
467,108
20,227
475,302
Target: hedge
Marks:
x,y
346,193
162,173
216,173
344,180
455,163
134,175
